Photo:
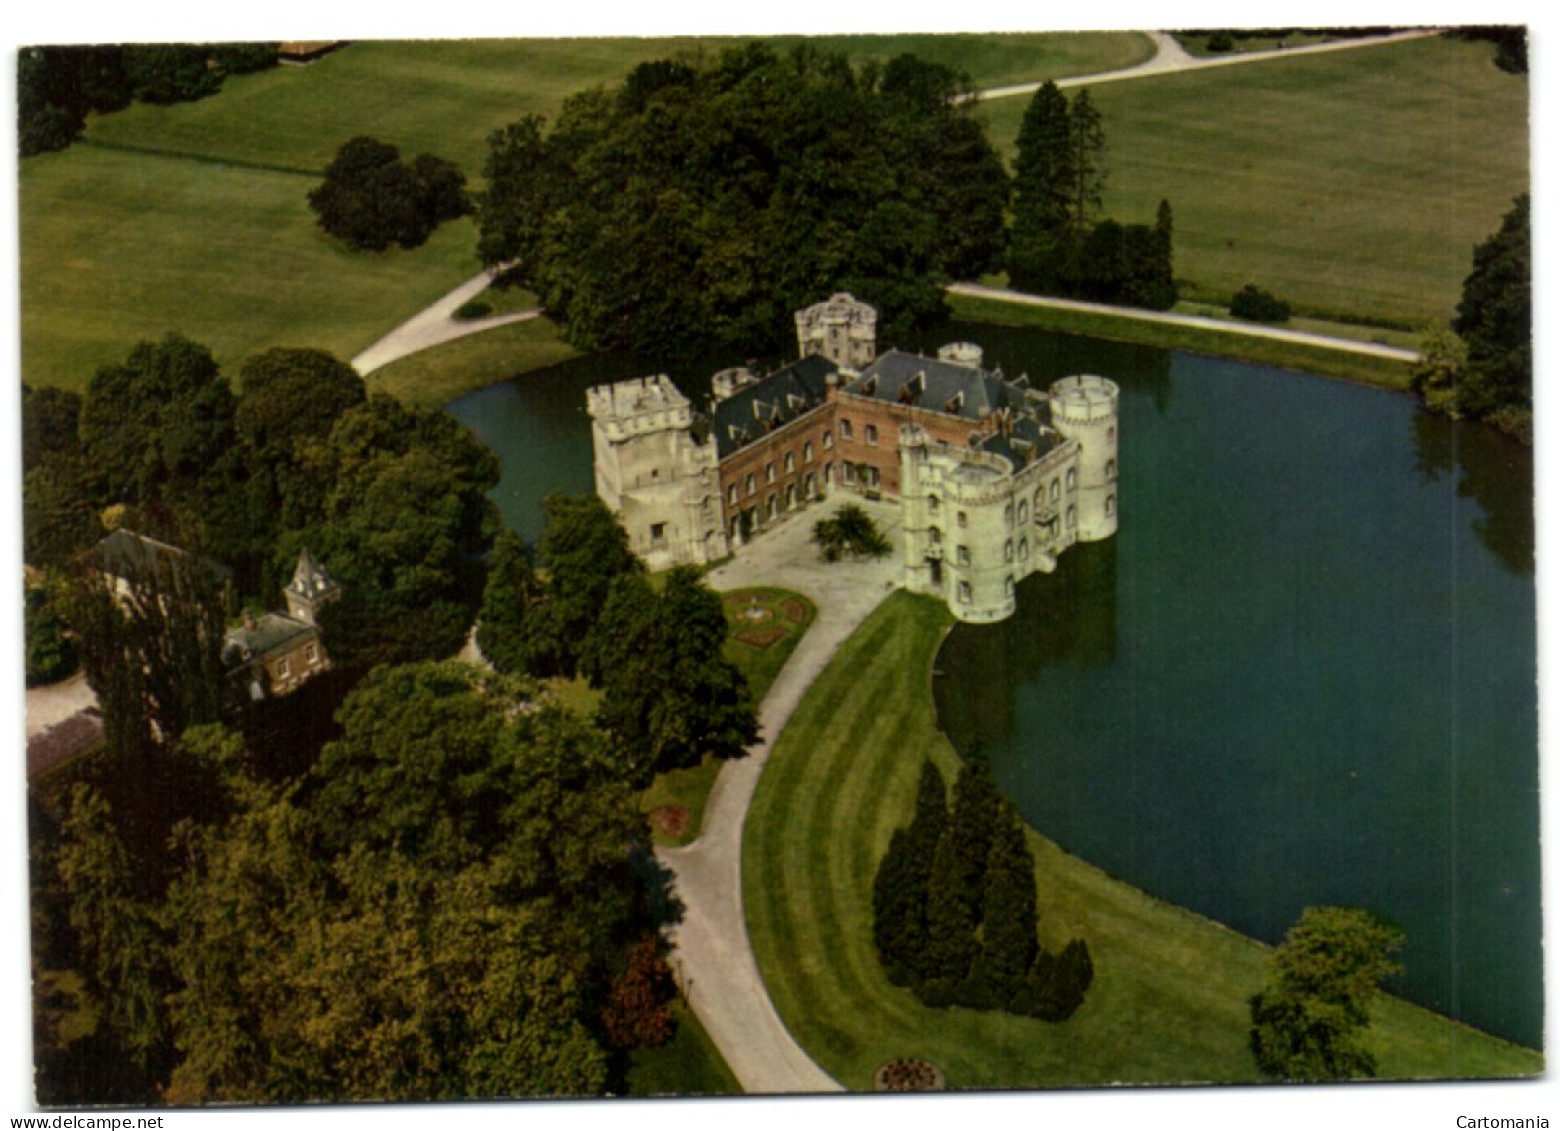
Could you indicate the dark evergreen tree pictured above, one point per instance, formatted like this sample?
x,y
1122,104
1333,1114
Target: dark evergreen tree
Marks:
x,y
582,551
1008,916
1041,248
1056,985
1086,135
898,916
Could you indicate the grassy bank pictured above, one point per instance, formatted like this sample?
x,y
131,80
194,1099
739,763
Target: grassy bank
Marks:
x,y
1324,362
437,375
1353,184
1170,993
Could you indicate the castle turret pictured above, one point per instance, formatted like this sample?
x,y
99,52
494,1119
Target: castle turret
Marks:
x,y
842,330
661,482
1084,408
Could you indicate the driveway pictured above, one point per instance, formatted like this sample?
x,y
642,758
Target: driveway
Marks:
x,y
436,325
714,957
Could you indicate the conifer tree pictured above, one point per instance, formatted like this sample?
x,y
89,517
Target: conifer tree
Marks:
x,y
1043,181
900,890
1008,913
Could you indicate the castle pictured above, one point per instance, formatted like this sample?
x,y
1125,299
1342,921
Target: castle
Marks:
x,y
994,478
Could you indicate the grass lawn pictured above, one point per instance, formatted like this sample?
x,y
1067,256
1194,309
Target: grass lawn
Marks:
x,y
1169,997
193,217
759,645
688,1065
1352,184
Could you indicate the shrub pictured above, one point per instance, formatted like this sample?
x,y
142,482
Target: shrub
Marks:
x,y
1253,304
371,199
1220,41
471,311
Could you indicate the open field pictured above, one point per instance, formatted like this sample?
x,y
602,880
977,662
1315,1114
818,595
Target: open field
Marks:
x,y
1170,991
193,217
1354,184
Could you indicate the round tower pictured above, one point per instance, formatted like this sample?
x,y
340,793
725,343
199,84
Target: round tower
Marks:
x,y
1085,408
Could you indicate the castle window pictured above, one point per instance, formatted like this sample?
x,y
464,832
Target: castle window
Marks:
x,y
311,653
807,452
1007,550
1110,505
283,668
748,484
965,593
935,535
964,555
790,496
769,472
1056,489
845,430
1023,511
658,532
1110,434
932,504
731,494
1023,549
1010,587
964,520
828,440
810,485
790,462
872,434
772,506
1072,517
1110,469
850,473
1007,514
1072,478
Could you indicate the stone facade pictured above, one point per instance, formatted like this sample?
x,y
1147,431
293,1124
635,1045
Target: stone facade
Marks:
x,y
995,478
652,472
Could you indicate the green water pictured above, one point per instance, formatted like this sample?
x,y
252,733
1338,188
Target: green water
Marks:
x,y
1302,673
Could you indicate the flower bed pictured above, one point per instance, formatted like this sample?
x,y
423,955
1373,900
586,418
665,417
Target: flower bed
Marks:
x,y
908,1074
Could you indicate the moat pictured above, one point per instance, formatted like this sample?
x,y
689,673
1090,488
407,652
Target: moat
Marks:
x,y
1302,672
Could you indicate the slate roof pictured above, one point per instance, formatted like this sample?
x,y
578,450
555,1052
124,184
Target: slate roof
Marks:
x,y
271,633
930,383
139,559
770,403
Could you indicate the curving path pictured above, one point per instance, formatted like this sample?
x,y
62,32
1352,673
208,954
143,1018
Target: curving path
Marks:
x,y
714,958
436,325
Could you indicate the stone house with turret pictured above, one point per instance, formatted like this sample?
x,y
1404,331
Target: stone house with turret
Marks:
x,y
995,478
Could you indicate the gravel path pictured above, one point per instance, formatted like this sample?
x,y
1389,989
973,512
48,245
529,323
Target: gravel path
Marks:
x,y
1196,321
714,957
436,325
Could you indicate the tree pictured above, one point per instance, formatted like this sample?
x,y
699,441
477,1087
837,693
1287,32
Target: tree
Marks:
x,y
1008,915
1310,1022
1438,374
50,654
582,551
1495,318
505,623
682,211
1254,304
289,395
899,890
371,199
164,73
1043,176
670,697
1086,135
850,531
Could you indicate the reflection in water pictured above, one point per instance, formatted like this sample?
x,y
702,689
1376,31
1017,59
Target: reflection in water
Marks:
x,y
1494,471
1063,618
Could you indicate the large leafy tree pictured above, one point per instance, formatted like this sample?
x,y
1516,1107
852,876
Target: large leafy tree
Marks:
x,y
690,208
583,550
371,198
1495,318
670,695
1311,1020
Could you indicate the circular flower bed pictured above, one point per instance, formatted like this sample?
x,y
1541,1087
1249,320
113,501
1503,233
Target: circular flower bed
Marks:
x,y
908,1074
669,820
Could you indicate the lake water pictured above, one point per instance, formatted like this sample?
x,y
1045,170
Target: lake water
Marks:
x,y
1302,673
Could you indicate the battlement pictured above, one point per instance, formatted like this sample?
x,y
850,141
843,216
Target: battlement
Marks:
x,y
1084,398
638,406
